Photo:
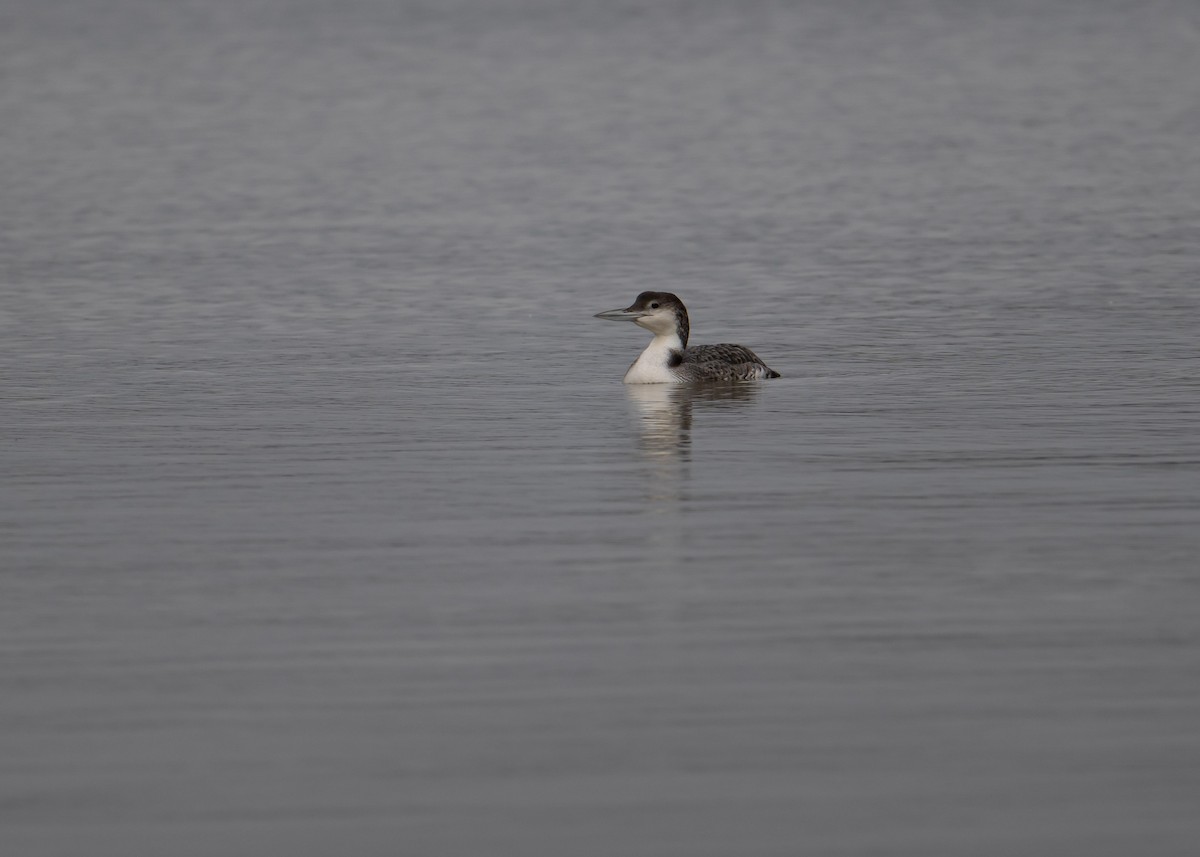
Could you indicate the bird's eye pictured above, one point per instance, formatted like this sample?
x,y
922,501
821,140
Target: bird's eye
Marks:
x,y
654,305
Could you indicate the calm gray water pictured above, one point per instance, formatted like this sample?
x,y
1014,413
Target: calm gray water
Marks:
x,y
328,527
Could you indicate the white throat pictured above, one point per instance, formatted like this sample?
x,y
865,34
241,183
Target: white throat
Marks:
x,y
652,365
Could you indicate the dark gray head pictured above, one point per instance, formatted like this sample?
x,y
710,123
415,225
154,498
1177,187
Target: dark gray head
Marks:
x,y
659,312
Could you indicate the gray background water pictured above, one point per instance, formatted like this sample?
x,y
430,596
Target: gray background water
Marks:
x,y
328,526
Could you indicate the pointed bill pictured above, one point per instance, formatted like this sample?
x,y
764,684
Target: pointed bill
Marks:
x,y
629,314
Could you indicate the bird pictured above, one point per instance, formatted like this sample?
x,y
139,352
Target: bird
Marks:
x,y
669,360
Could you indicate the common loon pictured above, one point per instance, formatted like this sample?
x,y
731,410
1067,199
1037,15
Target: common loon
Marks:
x,y
668,360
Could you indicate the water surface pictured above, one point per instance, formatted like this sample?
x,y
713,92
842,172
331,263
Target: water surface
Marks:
x,y
328,525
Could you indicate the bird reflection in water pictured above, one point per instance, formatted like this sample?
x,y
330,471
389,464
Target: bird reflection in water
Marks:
x,y
666,414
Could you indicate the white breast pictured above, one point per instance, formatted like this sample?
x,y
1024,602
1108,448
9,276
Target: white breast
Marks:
x,y
651,367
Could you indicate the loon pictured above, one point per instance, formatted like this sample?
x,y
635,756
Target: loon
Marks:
x,y
668,360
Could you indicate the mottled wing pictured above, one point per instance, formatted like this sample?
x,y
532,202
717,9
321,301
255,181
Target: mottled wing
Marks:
x,y
723,363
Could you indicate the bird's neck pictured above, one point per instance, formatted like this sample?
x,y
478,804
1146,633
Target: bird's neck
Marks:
x,y
653,365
